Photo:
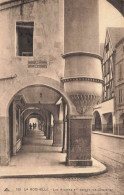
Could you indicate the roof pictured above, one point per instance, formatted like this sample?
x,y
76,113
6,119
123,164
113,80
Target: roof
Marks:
x,y
116,34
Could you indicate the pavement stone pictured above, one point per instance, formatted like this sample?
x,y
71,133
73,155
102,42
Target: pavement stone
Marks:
x,y
38,158
109,183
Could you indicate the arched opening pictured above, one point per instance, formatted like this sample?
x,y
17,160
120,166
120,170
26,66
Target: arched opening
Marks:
x,y
33,123
108,125
121,124
37,111
96,125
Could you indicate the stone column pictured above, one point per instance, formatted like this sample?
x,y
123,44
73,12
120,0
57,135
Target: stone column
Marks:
x,y
64,149
20,123
58,133
51,128
83,75
26,126
47,126
47,133
4,141
79,142
14,128
51,132
114,124
23,126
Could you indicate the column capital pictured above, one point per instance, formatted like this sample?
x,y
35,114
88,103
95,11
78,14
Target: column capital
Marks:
x,y
58,122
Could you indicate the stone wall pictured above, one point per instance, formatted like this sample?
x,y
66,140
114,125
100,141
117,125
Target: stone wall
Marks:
x,y
48,40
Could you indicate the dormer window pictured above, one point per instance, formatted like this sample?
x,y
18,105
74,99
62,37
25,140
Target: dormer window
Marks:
x,y
24,43
107,47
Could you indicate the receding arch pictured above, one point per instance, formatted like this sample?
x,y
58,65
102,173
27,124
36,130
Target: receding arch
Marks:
x,y
38,112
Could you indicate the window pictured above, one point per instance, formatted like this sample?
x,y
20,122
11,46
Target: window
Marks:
x,y
107,92
107,47
107,66
120,72
120,96
24,44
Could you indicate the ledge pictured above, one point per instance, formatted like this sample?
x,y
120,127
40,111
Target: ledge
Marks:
x,y
11,77
82,53
81,78
108,134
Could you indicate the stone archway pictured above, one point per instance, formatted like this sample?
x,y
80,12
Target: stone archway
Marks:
x,y
18,85
97,124
8,97
108,123
121,124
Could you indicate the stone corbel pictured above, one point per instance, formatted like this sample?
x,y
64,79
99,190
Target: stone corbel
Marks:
x,y
84,102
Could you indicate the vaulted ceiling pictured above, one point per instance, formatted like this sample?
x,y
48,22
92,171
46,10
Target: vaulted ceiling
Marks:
x,y
36,94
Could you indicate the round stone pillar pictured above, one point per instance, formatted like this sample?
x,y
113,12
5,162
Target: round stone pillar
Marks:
x,y
58,133
83,75
64,149
51,133
51,128
47,132
14,128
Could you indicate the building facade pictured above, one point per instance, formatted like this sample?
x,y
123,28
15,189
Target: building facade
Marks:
x,y
108,131
119,87
105,118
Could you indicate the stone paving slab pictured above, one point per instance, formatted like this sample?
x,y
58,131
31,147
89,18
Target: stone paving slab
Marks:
x,y
38,158
53,170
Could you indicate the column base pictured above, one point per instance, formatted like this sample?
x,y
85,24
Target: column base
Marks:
x,y
4,161
57,145
79,162
64,150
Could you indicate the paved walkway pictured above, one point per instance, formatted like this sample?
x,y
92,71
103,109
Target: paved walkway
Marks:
x,y
38,158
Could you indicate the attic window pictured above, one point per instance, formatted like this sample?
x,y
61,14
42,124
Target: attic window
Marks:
x,y
107,47
24,33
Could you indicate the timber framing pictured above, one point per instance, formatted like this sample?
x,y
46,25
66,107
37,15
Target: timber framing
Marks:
x,y
14,3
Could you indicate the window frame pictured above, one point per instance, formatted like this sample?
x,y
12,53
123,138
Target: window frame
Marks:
x,y
23,21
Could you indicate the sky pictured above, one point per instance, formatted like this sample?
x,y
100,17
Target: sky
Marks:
x,y
108,17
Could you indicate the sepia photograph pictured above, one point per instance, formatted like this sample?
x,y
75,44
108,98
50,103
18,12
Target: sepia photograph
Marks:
x,y
61,97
